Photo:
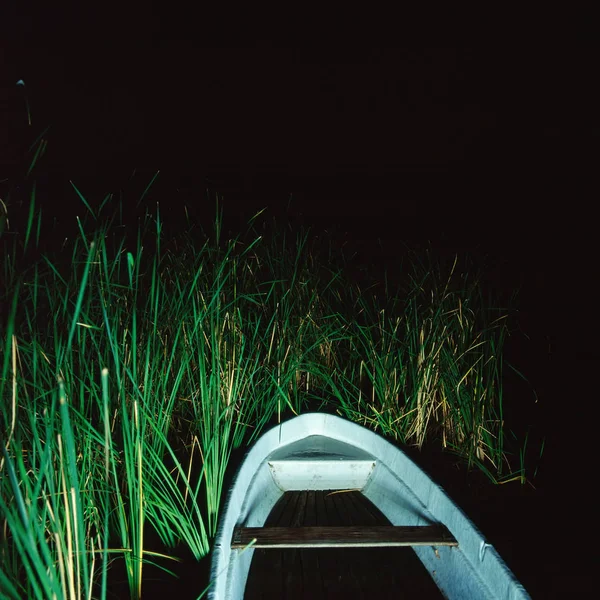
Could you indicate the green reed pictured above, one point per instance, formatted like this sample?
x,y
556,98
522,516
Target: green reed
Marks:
x,y
135,363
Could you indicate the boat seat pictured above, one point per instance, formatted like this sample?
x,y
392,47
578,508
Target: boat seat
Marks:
x,y
342,536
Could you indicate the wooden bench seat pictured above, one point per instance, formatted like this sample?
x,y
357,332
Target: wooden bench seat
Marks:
x,y
342,536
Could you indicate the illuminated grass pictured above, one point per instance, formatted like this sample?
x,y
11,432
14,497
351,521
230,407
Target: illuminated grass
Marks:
x,y
132,368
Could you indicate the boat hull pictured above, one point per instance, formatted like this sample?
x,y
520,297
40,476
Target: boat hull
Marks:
x,y
320,451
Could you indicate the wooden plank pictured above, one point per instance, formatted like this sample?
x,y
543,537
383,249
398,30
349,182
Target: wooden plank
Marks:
x,y
340,575
360,515
371,514
344,536
312,562
293,580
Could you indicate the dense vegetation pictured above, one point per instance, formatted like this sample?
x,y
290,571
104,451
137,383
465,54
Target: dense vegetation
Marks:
x,y
133,364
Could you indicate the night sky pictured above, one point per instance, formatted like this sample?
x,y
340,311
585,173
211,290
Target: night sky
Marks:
x,y
492,151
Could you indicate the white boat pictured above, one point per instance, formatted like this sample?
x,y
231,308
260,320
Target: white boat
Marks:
x,y
323,452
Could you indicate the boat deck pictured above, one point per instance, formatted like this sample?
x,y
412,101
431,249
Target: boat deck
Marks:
x,y
317,573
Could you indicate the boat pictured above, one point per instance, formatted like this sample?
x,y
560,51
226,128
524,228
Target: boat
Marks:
x,y
315,452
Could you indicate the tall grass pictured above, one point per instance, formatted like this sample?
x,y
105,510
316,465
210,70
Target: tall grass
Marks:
x,y
134,364
427,364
